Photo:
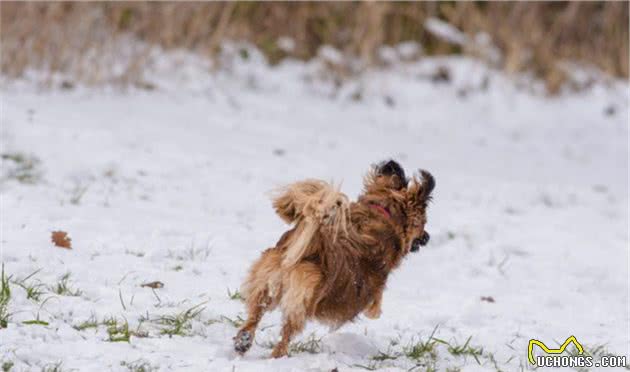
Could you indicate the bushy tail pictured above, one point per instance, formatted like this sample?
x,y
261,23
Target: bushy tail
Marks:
x,y
310,204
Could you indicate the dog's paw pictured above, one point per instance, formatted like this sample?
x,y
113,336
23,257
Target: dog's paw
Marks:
x,y
373,312
243,341
279,352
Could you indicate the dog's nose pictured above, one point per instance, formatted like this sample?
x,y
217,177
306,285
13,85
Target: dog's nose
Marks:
x,y
421,241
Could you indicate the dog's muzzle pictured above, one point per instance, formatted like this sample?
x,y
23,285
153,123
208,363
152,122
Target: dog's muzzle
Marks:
x,y
421,241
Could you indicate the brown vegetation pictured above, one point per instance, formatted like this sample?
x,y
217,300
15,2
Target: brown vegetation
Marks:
x,y
80,38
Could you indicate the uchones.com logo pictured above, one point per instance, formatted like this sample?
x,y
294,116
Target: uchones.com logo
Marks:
x,y
578,358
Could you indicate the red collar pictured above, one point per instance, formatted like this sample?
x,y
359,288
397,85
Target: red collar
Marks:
x,y
381,209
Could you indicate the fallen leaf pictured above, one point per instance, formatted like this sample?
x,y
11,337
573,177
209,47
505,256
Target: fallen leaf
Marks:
x,y
154,285
61,239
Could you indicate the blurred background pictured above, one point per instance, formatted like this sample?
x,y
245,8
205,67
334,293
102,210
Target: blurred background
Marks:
x,y
151,133
80,39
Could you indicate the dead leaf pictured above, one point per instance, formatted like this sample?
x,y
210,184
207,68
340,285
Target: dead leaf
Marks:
x,y
61,239
154,285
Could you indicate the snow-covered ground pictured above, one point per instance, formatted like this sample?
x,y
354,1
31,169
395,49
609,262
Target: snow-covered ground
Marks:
x,y
171,185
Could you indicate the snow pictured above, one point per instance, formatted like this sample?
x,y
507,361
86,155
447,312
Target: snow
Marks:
x,y
331,55
286,44
445,31
530,208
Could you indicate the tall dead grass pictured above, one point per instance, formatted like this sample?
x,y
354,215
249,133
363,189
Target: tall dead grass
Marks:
x,y
82,38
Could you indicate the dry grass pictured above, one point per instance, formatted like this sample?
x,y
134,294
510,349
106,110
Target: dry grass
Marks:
x,y
82,38
537,35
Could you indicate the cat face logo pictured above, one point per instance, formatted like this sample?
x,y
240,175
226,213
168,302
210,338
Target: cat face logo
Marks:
x,y
560,350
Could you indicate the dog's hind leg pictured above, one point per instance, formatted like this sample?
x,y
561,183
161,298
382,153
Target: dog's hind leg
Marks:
x,y
297,302
261,291
256,308
293,324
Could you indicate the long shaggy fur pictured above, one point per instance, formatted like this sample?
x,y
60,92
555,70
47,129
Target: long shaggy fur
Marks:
x,y
334,262
310,204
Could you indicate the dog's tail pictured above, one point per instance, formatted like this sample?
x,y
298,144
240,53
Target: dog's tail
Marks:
x,y
310,204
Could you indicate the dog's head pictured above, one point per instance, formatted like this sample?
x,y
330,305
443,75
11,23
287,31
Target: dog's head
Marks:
x,y
405,200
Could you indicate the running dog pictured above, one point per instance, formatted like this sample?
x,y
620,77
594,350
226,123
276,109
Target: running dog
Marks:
x,y
334,262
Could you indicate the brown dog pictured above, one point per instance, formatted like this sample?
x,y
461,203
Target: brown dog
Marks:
x,y
334,263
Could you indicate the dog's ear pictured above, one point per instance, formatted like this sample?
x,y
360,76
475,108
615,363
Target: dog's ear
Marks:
x,y
419,190
387,174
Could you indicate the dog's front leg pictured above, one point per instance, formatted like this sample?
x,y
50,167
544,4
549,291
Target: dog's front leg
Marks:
x,y
373,311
